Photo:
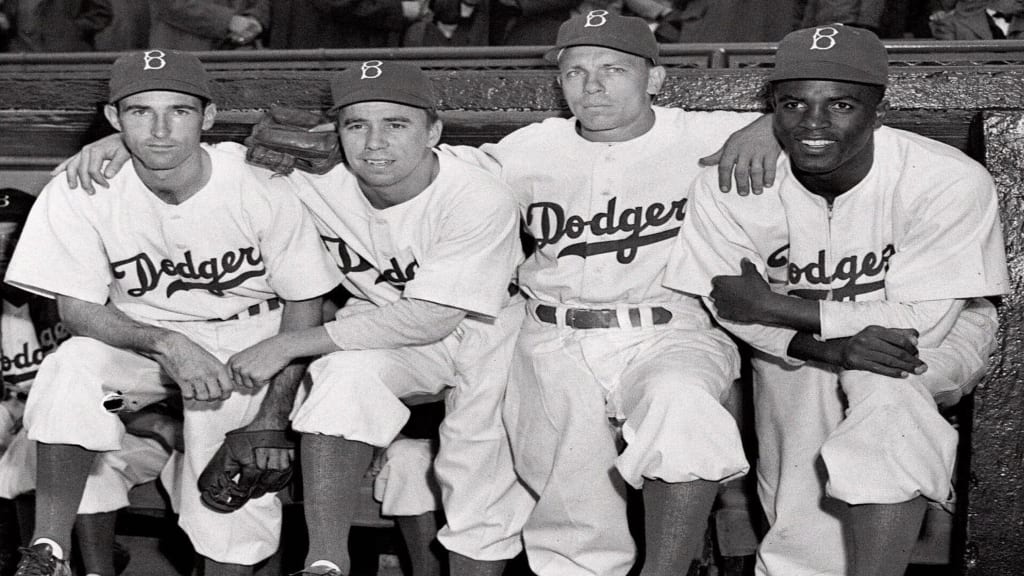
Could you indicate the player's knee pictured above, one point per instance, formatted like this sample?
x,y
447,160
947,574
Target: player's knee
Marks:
x,y
350,368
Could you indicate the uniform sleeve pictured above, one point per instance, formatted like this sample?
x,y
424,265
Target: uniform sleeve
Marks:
x,y
951,245
931,318
475,255
712,243
406,322
298,265
60,251
475,156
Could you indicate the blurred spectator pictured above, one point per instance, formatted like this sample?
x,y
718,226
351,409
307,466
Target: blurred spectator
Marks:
x,y
529,22
451,23
979,20
129,30
207,24
54,25
862,13
340,23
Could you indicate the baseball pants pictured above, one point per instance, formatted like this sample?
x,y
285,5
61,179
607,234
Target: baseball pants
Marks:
x,y
827,439
665,385
358,395
113,474
66,407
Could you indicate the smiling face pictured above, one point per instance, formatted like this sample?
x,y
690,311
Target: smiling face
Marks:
x,y
388,147
161,128
827,128
609,91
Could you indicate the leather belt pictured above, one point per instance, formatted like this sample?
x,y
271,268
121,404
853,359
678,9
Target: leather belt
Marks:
x,y
585,318
255,310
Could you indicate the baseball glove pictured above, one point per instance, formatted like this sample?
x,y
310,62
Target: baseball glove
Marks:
x,y
288,138
231,478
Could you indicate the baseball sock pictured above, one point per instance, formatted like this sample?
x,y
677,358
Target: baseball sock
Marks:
x,y
420,533
95,534
332,471
61,472
884,536
675,519
465,566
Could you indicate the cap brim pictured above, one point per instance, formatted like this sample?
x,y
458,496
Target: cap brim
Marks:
x,y
827,71
553,54
161,84
375,95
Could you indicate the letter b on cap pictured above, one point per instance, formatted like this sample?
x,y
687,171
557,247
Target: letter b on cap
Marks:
x,y
824,38
371,69
154,59
596,18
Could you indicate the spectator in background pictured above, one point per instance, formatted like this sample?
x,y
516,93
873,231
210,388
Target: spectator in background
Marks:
x,y
529,22
54,25
340,23
860,13
978,20
207,24
451,23
129,29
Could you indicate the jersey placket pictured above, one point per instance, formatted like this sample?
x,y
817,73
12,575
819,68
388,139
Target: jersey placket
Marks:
x,y
604,186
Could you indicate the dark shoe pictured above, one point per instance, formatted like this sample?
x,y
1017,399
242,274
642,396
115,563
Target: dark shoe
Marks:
x,y
38,560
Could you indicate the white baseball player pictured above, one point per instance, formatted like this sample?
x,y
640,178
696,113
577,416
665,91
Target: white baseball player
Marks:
x,y
428,245
185,264
867,227
605,345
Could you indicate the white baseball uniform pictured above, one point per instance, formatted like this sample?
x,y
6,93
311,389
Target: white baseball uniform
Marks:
x,y
910,246
230,249
603,216
455,244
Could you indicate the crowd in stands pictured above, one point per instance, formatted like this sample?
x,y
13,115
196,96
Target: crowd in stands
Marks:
x,y
115,25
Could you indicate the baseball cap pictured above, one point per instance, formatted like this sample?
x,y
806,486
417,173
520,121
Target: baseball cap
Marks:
x,y
380,81
603,28
833,52
158,70
15,204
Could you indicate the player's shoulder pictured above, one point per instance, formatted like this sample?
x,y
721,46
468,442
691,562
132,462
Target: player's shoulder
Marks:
x,y
540,134
472,187
922,157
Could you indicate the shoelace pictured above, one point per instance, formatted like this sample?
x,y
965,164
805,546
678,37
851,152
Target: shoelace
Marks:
x,y
35,563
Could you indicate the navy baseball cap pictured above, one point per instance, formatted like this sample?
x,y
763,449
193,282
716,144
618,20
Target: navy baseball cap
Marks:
x,y
158,70
833,52
380,81
15,205
604,28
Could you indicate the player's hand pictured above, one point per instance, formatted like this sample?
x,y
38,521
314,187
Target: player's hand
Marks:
x,y
741,298
258,364
751,152
94,163
199,374
886,351
275,418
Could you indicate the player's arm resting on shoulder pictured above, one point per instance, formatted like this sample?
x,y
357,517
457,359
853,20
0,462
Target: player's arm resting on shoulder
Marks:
x,y
197,372
750,154
473,155
94,163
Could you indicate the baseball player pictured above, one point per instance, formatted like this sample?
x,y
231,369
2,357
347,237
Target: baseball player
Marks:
x,y
605,349
859,280
194,258
31,329
428,245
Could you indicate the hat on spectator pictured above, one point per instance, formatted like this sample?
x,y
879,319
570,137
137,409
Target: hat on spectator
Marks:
x,y
833,52
15,204
158,70
603,28
380,81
